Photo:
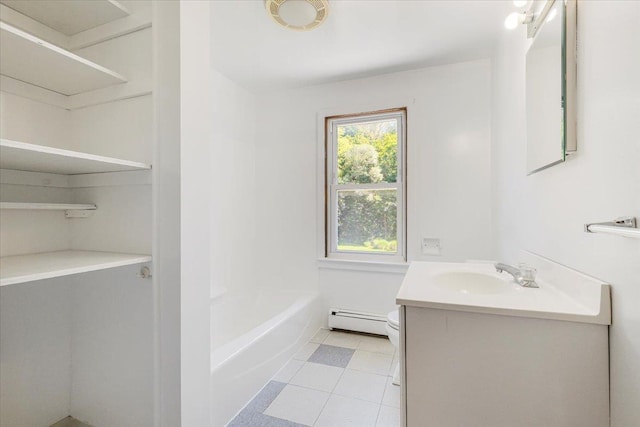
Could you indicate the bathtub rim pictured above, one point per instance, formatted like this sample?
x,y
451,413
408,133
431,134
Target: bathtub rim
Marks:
x,y
223,354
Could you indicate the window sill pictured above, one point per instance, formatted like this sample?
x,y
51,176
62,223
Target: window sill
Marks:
x,y
368,266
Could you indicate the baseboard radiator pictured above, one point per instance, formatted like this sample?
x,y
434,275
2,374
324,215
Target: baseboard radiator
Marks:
x,y
357,321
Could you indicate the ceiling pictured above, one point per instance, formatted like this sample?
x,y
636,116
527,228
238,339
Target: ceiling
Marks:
x,y
360,38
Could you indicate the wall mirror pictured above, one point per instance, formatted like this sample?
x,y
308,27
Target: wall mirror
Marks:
x,y
551,83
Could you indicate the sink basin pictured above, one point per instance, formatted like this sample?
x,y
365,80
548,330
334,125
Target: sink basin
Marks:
x,y
471,283
476,287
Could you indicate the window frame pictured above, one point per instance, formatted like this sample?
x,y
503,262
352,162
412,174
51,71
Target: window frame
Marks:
x,y
331,186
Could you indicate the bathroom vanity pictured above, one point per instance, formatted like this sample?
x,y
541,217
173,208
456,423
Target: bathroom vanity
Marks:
x,y
480,350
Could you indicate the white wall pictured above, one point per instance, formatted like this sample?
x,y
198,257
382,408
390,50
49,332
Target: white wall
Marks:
x,y
121,222
119,129
166,212
116,129
112,348
35,353
233,211
544,213
195,213
18,115
448,175
34,231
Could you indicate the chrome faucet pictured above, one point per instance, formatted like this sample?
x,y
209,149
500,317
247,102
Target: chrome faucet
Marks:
x,y
524,279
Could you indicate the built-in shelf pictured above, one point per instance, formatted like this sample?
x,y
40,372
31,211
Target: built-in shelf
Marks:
x,y
30,59
27,268
70,17
47,206
38,158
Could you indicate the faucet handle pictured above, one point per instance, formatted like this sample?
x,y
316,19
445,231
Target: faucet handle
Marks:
x,y
528,274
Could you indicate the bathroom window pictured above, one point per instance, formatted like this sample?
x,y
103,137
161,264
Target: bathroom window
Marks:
x,y
365,186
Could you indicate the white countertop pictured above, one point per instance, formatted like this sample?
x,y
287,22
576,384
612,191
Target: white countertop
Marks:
x,y
563,295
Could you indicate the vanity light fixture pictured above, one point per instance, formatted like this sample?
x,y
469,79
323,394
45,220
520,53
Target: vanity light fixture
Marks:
x,y
515,18
299,15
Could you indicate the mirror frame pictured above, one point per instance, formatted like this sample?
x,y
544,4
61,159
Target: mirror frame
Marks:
x,y
569,71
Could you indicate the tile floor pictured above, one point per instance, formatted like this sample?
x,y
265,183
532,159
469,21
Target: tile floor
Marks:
x,y
337,379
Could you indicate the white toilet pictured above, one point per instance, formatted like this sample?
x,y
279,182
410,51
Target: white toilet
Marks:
x,y
393,331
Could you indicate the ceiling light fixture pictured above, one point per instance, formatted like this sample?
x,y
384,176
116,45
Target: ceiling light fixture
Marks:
x,y
300,15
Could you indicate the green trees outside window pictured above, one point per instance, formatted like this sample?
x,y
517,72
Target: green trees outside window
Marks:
x,y
367,153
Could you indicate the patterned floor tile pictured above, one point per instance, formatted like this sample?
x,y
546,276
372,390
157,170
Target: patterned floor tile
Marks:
x,y
361,385
346,412
315,389
267,395
376,345
343,339
306,351
298,404
285,374
256,419
391,395
367,361
332,356
317,376
388,417
320,336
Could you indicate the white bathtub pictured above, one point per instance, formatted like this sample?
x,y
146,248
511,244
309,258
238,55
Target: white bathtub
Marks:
x,y
252,337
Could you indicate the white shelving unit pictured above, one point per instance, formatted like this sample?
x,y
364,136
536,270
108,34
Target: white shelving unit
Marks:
x,y
27,268
23,156
74,17
76,227
47,206
30,59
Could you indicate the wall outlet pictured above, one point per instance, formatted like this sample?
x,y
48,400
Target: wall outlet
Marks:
x,y
430,246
